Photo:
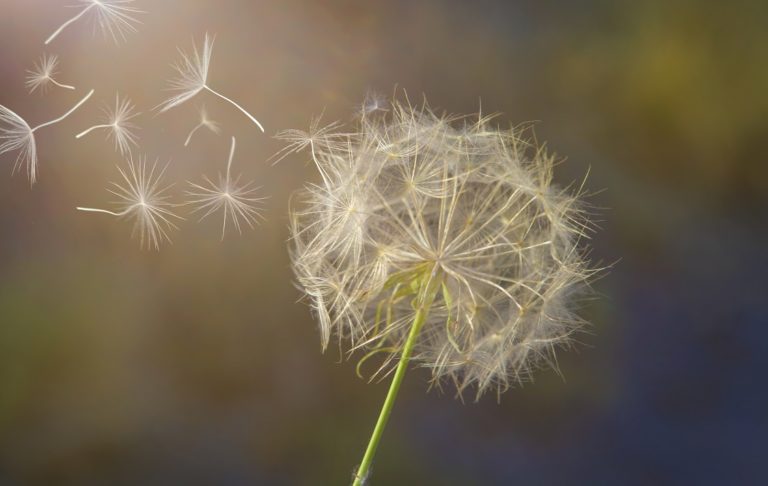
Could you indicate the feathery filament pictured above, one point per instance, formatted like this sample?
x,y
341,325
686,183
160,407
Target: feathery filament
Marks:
x,y
16,134
238,201
193,78
143,198
117,120
42,75
113,17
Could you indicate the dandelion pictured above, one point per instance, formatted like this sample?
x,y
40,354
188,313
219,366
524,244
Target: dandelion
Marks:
x,y
193,78
237,201
42,75
113,17
117,120
442,243
18,135
205,122
143,198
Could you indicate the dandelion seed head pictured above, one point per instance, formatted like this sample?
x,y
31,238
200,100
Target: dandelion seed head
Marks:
x,y
207,122
114,17
143,198
238,202
16,134
298,140
42,75
192,78
415,207
120,129
373,102
192,74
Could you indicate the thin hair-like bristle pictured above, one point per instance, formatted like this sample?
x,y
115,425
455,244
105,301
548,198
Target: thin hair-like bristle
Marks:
x,y
238,203
143,198
42,76
114,18
192,78
117,121
16,134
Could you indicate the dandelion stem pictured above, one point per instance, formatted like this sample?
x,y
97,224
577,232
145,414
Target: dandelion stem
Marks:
x,y
104,211
65,86
389,402
65,24
192,133
72,110
231,156
254,120
86,132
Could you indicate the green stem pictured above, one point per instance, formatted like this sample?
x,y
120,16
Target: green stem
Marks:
x,y
389,402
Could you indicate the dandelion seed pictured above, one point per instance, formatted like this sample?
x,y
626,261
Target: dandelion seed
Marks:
x,y
193,78
440,244
298,140
143,198
42,76
205,122
113,17
373,102
117,120
238,202
20,136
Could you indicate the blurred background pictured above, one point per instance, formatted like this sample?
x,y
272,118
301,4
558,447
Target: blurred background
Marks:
x,y
197,364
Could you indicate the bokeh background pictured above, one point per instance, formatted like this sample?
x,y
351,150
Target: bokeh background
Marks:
x,y
197,364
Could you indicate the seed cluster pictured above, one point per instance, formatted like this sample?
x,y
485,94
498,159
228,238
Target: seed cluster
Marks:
x,y
418,211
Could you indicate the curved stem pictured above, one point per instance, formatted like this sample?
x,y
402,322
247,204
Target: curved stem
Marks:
x,y
65,24
231,156
104,211
72,110
65,86
189,138
86,132
362,472
254,120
